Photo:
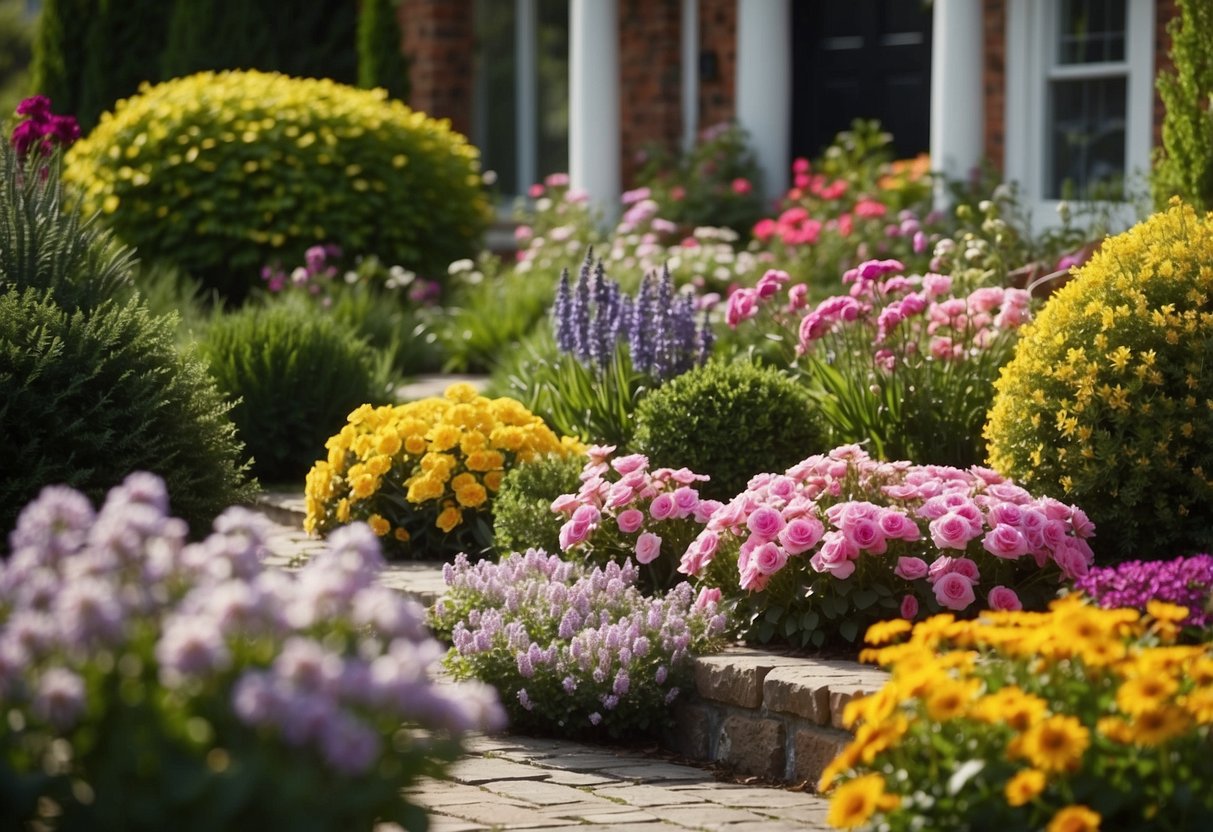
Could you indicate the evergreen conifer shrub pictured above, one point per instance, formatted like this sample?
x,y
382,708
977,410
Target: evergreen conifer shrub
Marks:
x,y
1184,164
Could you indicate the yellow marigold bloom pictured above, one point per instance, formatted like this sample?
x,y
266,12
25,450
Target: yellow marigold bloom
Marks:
x,y
485,461
472,441
336,457
462,480
1024,786
438,465
401,534
1055,744
854,803
1162,611
1201,671
343,510
1074,819
415,445
492,480
471,496
1199,704
1115,728
1010,705
1143,693
449,518
1156,726
378,524
364,486
882,632
845,760
443,437
949,699
389,442
379,465
460,391
423,488
870,739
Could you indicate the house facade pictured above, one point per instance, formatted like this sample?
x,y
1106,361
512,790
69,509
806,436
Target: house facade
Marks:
x,y
1056,94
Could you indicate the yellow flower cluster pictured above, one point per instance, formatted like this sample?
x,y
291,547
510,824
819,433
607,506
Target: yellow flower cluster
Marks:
x,y
1067,697
425,464
1108,399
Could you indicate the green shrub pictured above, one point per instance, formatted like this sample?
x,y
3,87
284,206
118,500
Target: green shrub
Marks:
x,y
1184,164
221,173
296,374
522,512
59,45
1109,400
16,53
381,61
88,397
729,421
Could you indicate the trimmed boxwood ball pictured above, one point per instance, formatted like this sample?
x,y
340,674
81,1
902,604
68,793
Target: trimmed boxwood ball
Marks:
x,y
295,374
522,510
1108,402
223,172
729,421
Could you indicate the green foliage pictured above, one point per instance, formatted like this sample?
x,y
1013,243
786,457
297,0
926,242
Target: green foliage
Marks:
x,y
1107,397
381,60
295,374
59,45
88,397
122,48
729,421
1183,166
221,173
522,511
16,53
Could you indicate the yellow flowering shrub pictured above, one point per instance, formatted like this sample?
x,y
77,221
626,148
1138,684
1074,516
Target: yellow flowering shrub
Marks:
x,y
423,475
1075,718
224,172
1108,401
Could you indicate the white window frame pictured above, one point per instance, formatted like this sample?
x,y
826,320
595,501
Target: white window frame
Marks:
x,y
1031,63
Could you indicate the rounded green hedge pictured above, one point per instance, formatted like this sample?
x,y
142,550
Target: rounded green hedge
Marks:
x,y
522,510
223,172
729,421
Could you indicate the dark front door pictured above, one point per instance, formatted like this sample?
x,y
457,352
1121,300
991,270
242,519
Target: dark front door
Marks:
x,y
861,59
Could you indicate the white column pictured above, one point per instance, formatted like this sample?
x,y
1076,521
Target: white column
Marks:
x,y
690,73
594,136
526,92
957,112
764,85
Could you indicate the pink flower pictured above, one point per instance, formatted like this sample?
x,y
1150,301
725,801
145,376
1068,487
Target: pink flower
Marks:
x,y
801,534
1005,541
1073,560
770,282
572,533
952,531
798,296
535,191
628,464
897,526
686,500
954,591
765,522
936,285
565,503
1083,527
769,558
708,596
909,607
765,229
648,547
836,556
705,509
870,208
743,304
911,569
742,186
800,165
662,506
1005,514
678,193
619,495
630,520
865,533
1003,598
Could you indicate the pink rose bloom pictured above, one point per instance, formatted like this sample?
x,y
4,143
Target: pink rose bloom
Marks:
x,y
708,542
630,520
1005,514
742,186
951,531
631,463
743,304
1005,541
765,522
966,567
708,596
705,509
565,503
765,229
1073,561
911,569
769,558
865,534
572,533
619,495
782,486
935,285
662,506
954,591
1004,598
1055,533
909,607
686,500
801,534
648,547
836,556
798,296
599,453
588,515
1083,527
897,526
752,580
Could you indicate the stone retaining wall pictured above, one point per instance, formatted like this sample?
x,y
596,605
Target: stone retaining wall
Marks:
x,y
761,713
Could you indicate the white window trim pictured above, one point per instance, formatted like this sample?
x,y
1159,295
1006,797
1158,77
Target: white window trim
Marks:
x,y
1031,37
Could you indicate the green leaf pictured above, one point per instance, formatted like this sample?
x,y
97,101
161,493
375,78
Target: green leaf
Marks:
x,y
864,599
849,630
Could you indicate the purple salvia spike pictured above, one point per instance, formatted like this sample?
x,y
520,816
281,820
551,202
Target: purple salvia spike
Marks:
x,y
561,314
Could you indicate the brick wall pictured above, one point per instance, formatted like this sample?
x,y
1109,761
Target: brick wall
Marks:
x,y
650,83
718,37
438,40
1164,11
994,79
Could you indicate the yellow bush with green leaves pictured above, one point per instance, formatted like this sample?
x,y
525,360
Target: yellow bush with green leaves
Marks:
x,y
223,172
1109,398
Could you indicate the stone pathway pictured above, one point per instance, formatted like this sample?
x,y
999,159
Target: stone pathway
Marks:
x,y
520,783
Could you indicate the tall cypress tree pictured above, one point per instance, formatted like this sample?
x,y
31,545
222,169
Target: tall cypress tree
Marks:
x,y
381,60
1184,164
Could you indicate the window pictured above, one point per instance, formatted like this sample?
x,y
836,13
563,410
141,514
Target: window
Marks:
x,y
1079,99
520,116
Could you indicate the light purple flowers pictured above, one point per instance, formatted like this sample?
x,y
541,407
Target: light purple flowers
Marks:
x,y
1186,581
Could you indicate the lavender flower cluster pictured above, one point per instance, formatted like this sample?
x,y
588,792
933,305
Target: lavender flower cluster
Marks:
x,y
325,661
1186,581
573,650
594,315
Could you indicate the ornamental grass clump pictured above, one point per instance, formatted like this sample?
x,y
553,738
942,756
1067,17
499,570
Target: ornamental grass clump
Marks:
x,y
839,541
1184,581
902,362
1108,400
150,683
1074,719
623,512
573,651
423,474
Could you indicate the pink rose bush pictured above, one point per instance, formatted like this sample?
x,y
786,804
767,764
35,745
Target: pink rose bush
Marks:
x,y
624,511
903,361
841,540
